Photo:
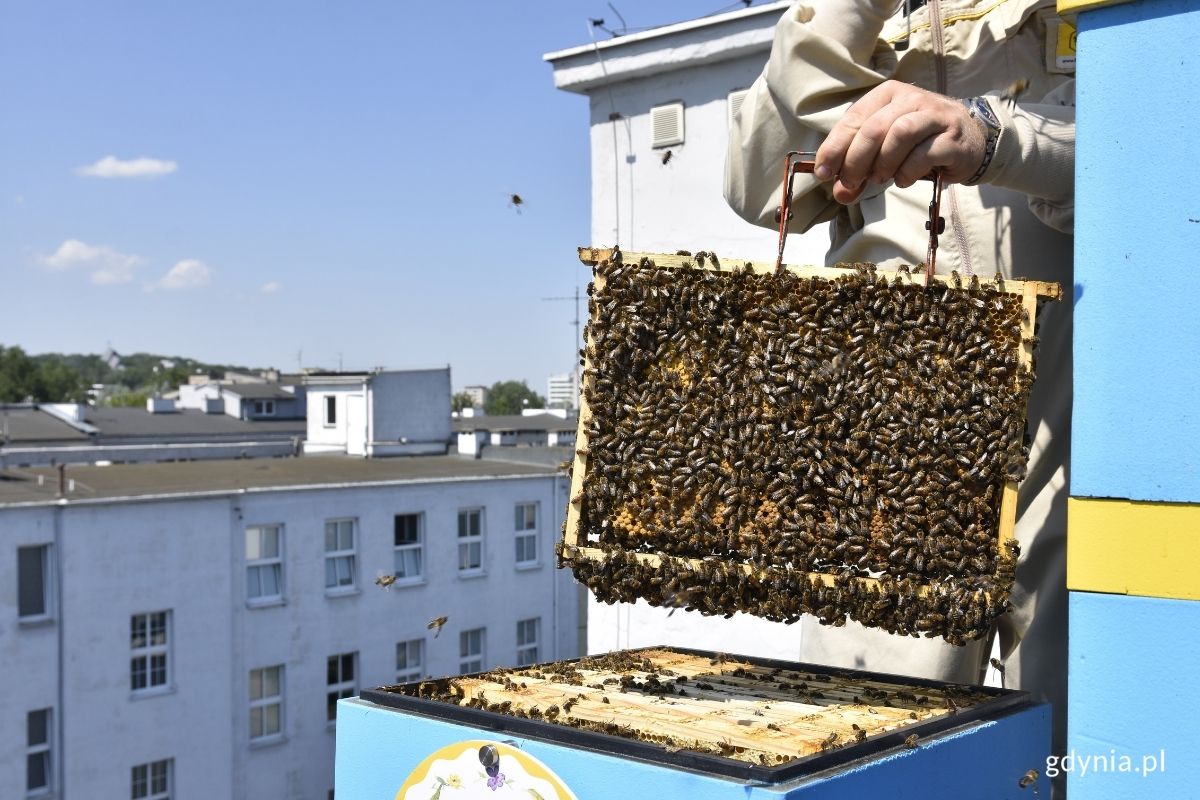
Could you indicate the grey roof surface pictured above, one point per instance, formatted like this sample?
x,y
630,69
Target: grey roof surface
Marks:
x,y
259,391
515,422
137,422
25,425
187,477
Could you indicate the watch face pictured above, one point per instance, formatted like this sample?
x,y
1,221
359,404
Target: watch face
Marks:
x,y
984,109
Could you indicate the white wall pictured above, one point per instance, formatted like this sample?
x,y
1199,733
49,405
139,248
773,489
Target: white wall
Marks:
x,y
678,205
124,558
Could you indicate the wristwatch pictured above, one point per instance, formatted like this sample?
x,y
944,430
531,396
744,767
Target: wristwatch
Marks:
x,y
980,109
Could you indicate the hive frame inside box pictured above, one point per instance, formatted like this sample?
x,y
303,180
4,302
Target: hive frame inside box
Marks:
x,y
999,703
1029,291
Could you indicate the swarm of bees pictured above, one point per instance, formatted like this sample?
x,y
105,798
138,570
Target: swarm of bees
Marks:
x,y
789,445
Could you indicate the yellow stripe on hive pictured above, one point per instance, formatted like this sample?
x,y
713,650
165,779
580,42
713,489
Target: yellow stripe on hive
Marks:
x,y
1125,547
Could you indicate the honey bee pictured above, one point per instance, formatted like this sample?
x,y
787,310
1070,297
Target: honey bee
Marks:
x,y
515,201
910,741
385,581
436,625
666,157
1028,779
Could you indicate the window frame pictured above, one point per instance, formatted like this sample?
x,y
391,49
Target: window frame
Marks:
x,y
168,780
525,644
466,541
471,661
523,535
418,547
339,555
46,564
329,412
411,674
264,701
148,652
261,563
264,408
43,749
342,687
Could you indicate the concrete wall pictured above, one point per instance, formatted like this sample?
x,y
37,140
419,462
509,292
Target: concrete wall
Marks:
x,y
414,405
645,205
123,558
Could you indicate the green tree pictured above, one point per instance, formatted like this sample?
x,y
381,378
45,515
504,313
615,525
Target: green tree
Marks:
x,y
509,397
41,379
461,400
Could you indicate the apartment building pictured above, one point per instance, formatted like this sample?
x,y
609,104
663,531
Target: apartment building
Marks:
x,y
185,629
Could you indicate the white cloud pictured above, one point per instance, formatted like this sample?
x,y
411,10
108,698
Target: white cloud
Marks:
x,y
107,266
113,167
270,287
187,274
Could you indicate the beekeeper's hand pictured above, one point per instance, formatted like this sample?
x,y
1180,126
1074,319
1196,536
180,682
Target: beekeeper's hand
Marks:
x,y
899,132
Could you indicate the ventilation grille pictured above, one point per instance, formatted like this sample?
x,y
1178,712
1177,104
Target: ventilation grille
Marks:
x,y
735,103
666,125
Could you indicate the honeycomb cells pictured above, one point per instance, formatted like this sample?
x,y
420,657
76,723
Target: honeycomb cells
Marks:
x,y
790,445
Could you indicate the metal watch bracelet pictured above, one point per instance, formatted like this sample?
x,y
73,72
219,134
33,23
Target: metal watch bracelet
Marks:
x,y
981,110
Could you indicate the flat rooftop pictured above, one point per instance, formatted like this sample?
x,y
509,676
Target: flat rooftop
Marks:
x,y
39,485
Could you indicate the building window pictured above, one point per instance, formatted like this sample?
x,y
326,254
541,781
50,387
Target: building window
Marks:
x,y
150,646
264,408
264,563
409,540
527,538
470,540
330,410
410,661
470,651
38,762
339,553
152,781
266,702
339,680
33,582
527,641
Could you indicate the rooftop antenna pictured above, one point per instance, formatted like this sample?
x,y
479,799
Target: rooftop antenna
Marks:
x,y
576,322
624,27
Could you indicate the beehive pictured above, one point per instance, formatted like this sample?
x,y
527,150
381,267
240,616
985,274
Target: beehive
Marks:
x,y
840,442
735,716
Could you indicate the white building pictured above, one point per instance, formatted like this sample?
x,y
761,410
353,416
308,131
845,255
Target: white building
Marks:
x,y
185,628
660,106
562,390
379,413
478,395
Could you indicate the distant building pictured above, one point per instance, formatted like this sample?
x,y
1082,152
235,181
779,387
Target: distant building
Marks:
x,y
562,390
479,395
662,101
68,433
378,413
512,430
196,622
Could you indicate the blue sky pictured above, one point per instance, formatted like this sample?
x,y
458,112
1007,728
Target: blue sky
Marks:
x,y
317,178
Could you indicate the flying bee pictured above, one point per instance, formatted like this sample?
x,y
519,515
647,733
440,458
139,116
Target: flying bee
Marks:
x,y
1011,94
1028,779
385,580
436,624
515,201
666,156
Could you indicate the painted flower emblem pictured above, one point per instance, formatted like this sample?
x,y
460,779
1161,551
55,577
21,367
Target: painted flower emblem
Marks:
x,y
496,781
454,782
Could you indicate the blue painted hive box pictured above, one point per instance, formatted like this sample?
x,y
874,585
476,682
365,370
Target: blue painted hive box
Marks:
x,y
671,722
